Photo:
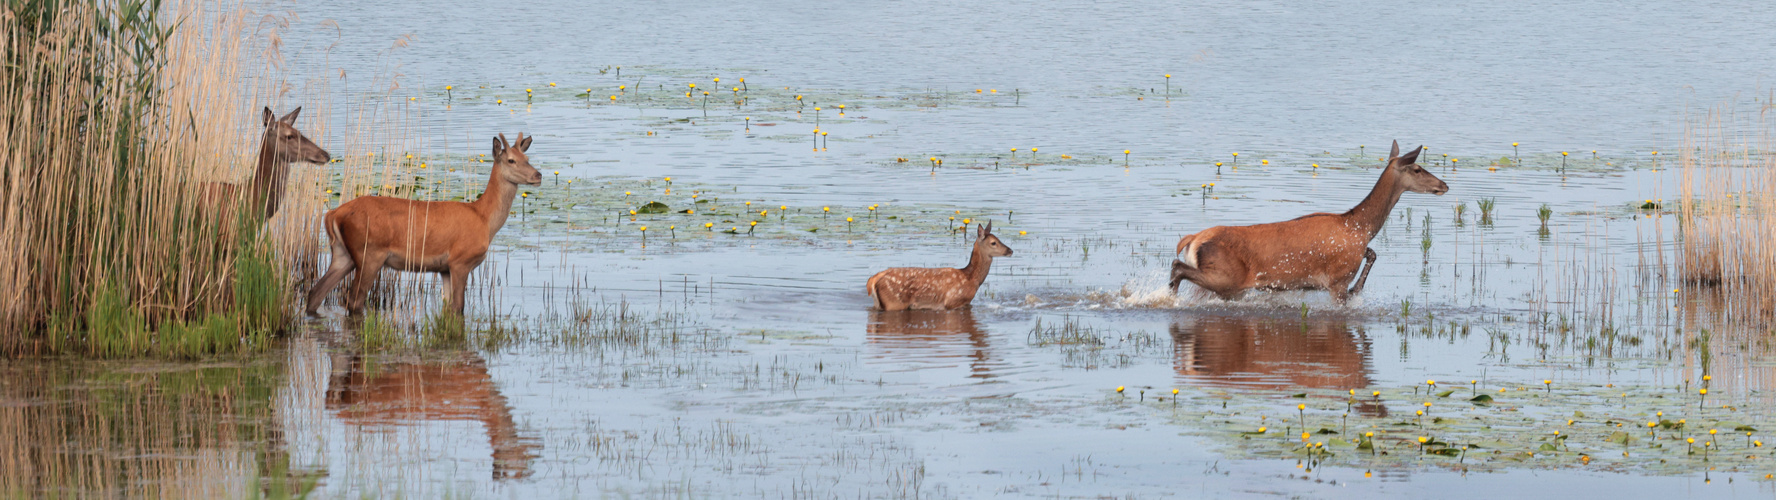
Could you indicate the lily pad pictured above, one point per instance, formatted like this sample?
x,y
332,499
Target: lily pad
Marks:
x,y
1481,399
653,207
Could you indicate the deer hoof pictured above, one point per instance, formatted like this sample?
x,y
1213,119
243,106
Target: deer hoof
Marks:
x,y
1179,268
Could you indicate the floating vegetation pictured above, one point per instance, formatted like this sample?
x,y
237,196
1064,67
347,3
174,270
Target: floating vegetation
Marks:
x,y
569,213
1478,427
670,88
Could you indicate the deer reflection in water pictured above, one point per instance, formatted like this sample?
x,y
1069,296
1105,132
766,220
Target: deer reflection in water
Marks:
x,y
931,336
1275,352
458,387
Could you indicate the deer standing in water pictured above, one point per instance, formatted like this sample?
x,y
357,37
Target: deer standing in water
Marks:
x,y
903,288
1321,251
280,146
445,237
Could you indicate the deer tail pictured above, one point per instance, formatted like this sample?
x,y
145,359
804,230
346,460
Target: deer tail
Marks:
x,y
870,287
1187,248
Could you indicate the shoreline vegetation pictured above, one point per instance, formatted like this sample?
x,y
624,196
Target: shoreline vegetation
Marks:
x,y
114,114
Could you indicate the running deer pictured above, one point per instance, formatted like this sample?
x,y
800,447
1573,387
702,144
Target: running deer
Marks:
x,y
445,237
280,146
1321,251
903,288
459,389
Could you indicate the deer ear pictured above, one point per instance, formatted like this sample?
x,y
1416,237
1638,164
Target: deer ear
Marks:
x,y
499,145
980,231
1396,152
268,116
989,227
1411,157
524,142
290,119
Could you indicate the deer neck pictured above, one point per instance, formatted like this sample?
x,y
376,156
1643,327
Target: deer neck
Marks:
x,y
1372,212
495,204
266,188
978,265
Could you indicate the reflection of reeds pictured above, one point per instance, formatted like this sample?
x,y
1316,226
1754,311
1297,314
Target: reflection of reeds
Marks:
x,y
200,433
1727,211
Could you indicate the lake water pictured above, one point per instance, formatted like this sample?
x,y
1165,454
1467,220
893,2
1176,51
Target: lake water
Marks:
x,y
708,364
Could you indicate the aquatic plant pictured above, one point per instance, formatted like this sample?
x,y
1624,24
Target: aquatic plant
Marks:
x,y
1513,428
1486,207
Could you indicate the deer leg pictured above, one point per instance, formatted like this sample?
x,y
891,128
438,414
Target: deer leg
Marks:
x,y
336,271
1368,265
368,268
459,284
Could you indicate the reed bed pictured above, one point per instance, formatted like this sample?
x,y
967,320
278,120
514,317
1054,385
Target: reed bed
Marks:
x,y
1727,211
110,112
114,114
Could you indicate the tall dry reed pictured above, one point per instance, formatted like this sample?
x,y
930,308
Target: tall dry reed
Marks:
x,y
1727,210
112,114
